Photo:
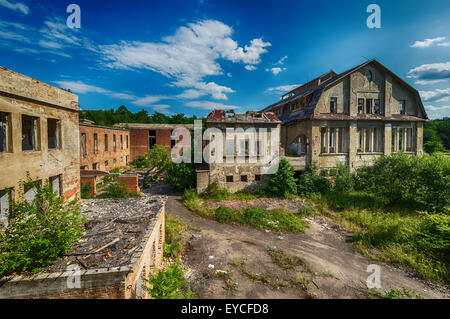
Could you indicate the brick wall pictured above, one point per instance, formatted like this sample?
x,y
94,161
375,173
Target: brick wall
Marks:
x,y
115,158
140,141
130,182
91,181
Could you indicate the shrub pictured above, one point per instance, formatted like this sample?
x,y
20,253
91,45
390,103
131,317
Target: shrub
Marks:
x,y
86,190
214,191
174,230
157,157
344,180
39,233
115,170
322,184
181,176
283,183
168,284
307,209
306,186
117,190
228,215
433,147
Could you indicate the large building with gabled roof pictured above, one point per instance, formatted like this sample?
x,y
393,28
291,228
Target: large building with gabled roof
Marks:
x,y
351,118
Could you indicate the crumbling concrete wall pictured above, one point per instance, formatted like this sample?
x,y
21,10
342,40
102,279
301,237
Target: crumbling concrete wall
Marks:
x,y
106,159
19,96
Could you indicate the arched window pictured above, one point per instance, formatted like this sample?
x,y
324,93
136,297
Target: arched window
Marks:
x,y
369,76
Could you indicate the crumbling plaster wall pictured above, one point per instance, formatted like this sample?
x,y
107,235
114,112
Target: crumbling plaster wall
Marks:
x,y
42,163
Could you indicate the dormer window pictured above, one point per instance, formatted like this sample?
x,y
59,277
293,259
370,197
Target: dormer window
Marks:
x,y
369,76
360,106
333,105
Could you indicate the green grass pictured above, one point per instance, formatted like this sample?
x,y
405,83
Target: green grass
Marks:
x,y
174,230
400,234
259,218
287,261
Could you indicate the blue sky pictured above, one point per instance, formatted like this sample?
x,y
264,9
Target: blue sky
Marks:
x,y
191,56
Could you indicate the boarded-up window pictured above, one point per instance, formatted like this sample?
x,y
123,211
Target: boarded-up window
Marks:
x,y
4,132
55,182
29,133
53,133
83,144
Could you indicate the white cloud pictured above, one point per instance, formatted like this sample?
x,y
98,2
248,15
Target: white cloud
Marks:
x,y
49,44
162,108
210,105
148,100
281,61
437,108
83,88
429,43
429,82
430,72
437,95
250,67
282,89
18,6
187,56
276,70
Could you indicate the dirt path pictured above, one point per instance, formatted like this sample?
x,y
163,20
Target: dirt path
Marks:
x,y
246,270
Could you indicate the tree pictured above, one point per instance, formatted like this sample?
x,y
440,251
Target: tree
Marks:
x,y
283,183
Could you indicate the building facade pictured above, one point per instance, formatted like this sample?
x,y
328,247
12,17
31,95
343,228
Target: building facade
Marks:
x,y
350,118
144,136
38,136
241,167
103,148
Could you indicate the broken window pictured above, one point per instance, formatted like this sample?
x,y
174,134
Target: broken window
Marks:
x,y
127,141
30,131
30,191
55,182
106,164
368,106
4,132
53,133
114,161
376,106
95,166
360,106
106,142
244,178
403,139
402,107
95,143
230,179
257,177
5,197
333,105
121,142
151,138
83,144
114,143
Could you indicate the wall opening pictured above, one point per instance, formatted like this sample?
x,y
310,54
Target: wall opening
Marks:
x,y
30,129
5,132
53,132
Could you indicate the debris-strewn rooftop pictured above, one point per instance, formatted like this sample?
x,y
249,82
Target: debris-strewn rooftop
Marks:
x,y
116,229
248,117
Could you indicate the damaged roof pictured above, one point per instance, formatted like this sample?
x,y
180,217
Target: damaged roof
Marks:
x,y
313,94
116,232
229,116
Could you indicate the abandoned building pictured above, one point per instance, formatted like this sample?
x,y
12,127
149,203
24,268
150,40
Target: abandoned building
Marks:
x,y
122,245
103,148
350,118
39,136
241,168
144,136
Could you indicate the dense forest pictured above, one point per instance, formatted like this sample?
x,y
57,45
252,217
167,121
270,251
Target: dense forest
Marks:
x,y
436,136
123,115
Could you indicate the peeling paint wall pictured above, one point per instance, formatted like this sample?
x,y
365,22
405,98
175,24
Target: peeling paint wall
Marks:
x,y
22,96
